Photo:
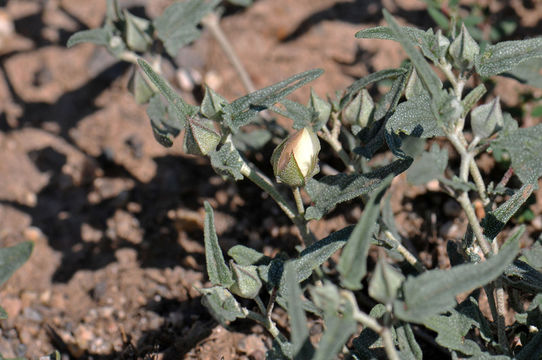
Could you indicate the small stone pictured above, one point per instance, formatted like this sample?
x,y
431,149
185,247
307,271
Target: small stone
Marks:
x,y
433,185
83,336
12,306
32,233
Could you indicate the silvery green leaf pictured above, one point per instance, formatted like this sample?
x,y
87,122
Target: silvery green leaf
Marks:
x,y
338,331
246,281
253,140
301,345
217,270
221,304
423,39
352,110
365,117
434,291
244,255
385,282
428,77
3,314
440,45
326,296
245,109
524,146
495,220
464,50
408,346
359,84
487,119
320,107
451,330
227,161
353,262
317,253
331,190
302,116
522,276
527,72
177,26
164,126
99,36
137,32
180,108
139,88
388,103
414,87
212,104
113,11
12,258
415,117
472,98
429,166
533,255
506,55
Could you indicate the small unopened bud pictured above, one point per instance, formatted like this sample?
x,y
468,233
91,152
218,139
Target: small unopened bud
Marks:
x,y
296,158
201,136
247,283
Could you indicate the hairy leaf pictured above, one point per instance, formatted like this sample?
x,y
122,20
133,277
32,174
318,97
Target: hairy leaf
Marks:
x,y
335,189
221,304
245,109
429,166
524,146
338,330
180,108
521,275
217,270
164,126
385,282
359,84
407,342
495,220
414,117
247,256
227,161
99,36
317,253
506,55
434,291
353,262
487,119
430,80
177,26
3,313
301,346
12,258
472,98
527,72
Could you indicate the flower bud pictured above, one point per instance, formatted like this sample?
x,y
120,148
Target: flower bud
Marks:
x,y
296,157
201,137
247,283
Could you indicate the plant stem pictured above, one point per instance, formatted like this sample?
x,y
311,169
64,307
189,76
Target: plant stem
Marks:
x,y
263,182
211,22
336,145
298,201
268,324
370,322
409,257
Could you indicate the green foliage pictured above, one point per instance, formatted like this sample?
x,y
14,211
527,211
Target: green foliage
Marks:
x,y
177,26
353,263
12,258
357,124
434,291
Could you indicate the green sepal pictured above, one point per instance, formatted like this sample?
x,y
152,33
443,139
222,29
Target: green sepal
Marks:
x,y
246,281
200,138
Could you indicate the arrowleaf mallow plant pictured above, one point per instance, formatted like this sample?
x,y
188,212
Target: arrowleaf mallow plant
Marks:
x,y
437,93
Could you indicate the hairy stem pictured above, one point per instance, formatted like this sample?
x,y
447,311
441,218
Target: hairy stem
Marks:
x,y
409,257
263,182
211,22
